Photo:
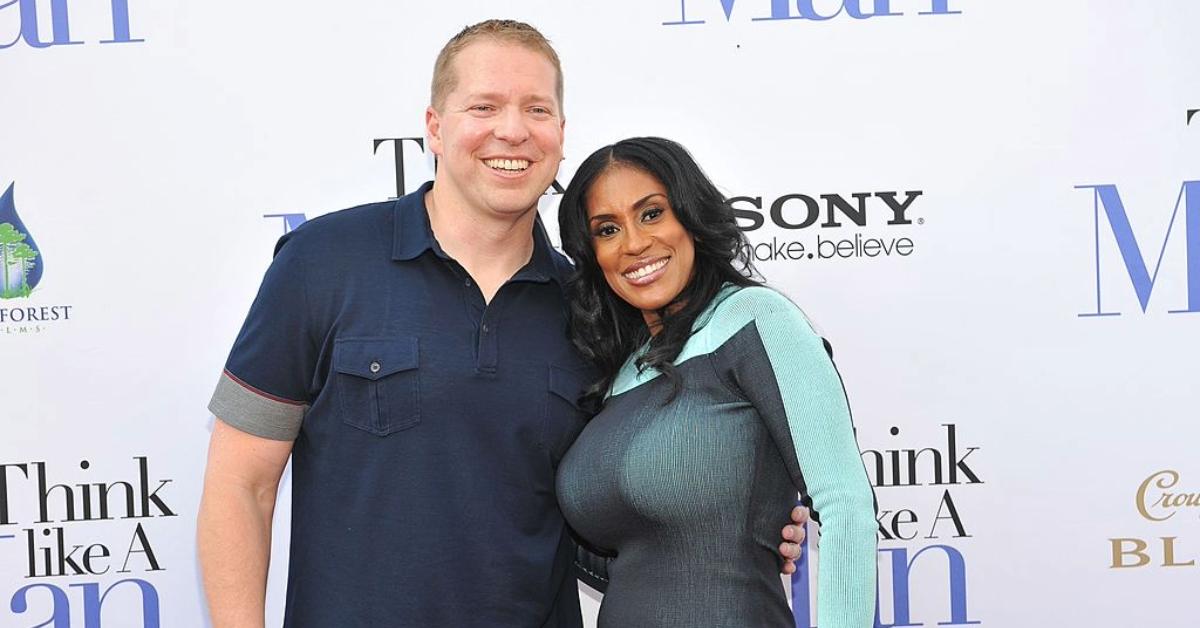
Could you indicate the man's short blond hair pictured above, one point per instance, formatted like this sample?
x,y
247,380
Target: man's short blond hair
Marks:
x,y
502,31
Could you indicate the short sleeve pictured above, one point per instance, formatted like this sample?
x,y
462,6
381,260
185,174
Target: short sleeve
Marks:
x,y
264,388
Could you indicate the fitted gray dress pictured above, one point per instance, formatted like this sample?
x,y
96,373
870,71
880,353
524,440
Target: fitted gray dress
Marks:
x,y
691,494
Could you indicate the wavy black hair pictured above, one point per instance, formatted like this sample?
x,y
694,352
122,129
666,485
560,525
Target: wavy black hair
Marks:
x,y
606,329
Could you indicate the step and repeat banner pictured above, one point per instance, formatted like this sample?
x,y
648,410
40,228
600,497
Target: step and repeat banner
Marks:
x,y
991,208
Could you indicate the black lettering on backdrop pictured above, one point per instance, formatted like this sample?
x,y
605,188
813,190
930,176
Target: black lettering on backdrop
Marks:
x,y
948,506
943,465
755,218
786,213
398,150
810,217
899,209
65,550
139,539
4,516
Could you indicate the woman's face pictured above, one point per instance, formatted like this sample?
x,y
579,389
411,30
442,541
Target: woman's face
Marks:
x,y
644,251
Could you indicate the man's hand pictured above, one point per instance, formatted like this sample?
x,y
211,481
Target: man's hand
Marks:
x,y
793,535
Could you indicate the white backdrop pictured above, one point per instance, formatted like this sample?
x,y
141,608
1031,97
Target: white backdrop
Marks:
x,y
1018,132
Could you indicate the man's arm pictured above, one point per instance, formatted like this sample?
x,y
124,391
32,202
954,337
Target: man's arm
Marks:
x,y
234,524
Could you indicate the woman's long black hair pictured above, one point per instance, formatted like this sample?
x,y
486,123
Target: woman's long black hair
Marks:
x,y
604,328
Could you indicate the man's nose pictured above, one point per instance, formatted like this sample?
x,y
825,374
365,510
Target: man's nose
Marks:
x,y
511,126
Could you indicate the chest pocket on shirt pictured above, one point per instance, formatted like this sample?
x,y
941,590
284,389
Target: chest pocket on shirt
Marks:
x,y
377,383
564,417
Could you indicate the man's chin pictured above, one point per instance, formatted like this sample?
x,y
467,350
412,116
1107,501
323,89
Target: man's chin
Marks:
x,y
509,204
514,202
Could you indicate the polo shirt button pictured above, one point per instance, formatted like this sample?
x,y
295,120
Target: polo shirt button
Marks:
x,y
375,366
485,329
467,283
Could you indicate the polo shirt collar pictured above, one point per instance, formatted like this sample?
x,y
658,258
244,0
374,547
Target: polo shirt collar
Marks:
x,y
413,236
541,266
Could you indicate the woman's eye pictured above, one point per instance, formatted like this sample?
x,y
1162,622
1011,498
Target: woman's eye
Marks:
x,y
604,231
652,213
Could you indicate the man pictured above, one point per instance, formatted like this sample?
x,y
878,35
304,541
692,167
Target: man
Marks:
x,y
411,357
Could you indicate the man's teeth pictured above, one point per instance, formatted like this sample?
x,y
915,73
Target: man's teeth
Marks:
x,y
507,164
646,270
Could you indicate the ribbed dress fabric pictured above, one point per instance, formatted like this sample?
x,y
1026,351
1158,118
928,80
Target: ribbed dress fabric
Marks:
x,y
690,494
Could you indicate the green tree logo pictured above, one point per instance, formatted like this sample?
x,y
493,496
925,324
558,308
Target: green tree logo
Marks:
x,y
17,259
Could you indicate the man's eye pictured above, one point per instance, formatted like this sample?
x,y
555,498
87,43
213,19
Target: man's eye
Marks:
x,y
482,108
541,111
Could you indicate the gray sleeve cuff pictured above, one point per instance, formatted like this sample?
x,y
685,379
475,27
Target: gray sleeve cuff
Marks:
x,y
255,412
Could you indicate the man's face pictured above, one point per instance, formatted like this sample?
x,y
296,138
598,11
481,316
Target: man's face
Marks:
x,y
499,133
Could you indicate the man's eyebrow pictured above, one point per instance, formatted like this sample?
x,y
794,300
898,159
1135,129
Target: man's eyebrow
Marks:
x,y
637,203
500,96
483,96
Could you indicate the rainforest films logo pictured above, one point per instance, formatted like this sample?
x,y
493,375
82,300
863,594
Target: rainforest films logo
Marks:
x,y
78,540
1160,498
21,265
919,523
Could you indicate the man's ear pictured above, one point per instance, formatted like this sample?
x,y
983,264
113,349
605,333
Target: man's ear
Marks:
x,y
433,130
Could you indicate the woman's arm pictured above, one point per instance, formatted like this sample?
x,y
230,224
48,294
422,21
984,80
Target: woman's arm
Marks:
x,y
783,369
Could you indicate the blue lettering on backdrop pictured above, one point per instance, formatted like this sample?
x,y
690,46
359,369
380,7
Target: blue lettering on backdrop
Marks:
x,y
61,605
120,23
801,605
901,570
93,603
290,221
940,7
60,24
806,10
1135,264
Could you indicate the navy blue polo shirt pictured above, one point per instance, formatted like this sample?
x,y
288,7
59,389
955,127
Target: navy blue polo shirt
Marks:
x,y
427,425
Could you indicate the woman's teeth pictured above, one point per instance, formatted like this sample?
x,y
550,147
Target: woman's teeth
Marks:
x,y
647,269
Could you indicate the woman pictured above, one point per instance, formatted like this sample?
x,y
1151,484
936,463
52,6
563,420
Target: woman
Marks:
x,y
718,403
